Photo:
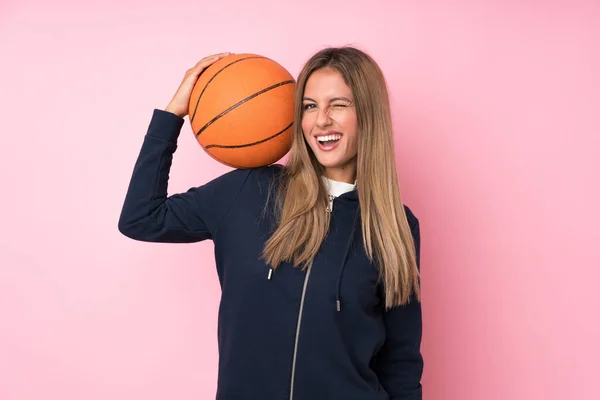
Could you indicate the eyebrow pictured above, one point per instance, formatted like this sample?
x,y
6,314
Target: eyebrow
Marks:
x,y
331,101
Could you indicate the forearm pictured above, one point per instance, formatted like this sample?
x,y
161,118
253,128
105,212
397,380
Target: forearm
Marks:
x,y
147,214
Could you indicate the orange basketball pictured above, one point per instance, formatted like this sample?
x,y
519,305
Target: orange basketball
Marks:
x,y
242,110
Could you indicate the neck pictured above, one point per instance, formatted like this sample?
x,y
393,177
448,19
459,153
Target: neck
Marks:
x,y
346,173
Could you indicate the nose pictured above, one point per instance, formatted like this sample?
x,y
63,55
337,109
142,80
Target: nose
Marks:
x,y
323,118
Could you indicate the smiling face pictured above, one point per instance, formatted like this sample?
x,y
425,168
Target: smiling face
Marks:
x,y
330,125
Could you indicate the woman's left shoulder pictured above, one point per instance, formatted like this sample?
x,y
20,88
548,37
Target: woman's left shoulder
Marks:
x,y
410,216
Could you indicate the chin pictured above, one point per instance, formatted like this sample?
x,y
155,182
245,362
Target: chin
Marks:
x,y
331,159
330,162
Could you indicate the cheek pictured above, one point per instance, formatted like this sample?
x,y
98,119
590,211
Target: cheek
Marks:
x,y
306,126
351,127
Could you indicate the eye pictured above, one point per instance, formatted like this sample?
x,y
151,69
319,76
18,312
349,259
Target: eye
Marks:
x,y
308,106
339,105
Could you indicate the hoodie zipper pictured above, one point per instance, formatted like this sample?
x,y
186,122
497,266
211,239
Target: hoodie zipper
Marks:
x,y
298,332
329,209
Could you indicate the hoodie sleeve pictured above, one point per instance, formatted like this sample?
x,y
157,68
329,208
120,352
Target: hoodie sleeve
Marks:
x,y
149,215
399,363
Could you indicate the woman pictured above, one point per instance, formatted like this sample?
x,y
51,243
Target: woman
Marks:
x,y
318,260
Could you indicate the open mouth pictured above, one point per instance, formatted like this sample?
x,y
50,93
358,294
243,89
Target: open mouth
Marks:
x,y
328,142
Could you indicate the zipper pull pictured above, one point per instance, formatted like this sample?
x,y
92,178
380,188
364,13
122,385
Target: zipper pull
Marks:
x,y
330,205
270,273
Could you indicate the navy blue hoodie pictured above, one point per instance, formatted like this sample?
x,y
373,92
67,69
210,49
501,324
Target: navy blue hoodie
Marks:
x,y
321,333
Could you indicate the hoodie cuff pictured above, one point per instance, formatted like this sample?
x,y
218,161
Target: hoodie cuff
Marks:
x,y
165,125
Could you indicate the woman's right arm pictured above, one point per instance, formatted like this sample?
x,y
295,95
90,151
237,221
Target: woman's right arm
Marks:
x,y
148,214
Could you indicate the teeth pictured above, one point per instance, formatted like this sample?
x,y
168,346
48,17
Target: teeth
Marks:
x,y
329,138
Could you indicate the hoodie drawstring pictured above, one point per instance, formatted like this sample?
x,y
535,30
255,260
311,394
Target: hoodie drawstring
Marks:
x,y
338,301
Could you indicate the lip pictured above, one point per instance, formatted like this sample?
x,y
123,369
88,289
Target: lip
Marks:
x,y
327,148
318,135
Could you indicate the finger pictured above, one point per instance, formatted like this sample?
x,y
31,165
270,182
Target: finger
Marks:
x,y
211,59
197,70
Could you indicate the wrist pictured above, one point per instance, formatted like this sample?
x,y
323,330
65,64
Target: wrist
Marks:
x,y
173,111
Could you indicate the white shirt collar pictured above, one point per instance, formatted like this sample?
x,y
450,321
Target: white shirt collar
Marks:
x,y
336,188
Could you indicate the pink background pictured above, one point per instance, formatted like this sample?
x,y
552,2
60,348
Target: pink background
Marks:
x,y
496,109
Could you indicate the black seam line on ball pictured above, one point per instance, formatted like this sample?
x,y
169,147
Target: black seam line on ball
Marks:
x,y
214,76
239,103
237,146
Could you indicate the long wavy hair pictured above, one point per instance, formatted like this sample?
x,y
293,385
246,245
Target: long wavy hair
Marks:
x,y
301,195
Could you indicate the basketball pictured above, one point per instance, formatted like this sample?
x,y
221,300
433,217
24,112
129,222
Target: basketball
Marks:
x,y
242,110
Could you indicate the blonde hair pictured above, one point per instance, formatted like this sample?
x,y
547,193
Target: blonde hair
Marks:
x,y
302,197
